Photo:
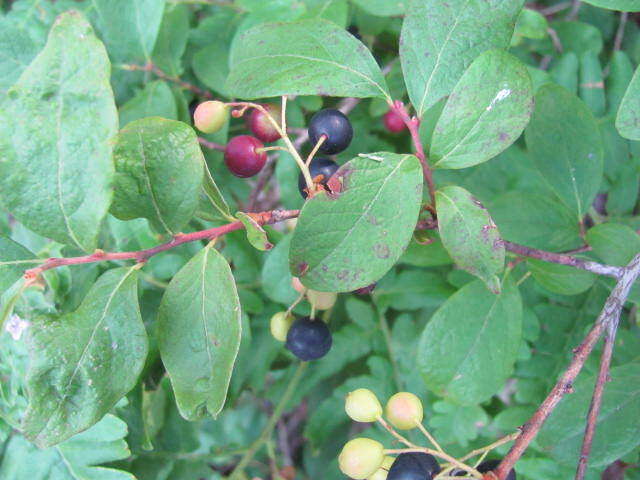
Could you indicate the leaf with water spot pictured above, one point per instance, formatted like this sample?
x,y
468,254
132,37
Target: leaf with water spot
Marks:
x,y
350,238
486,112
82,363
469,347
469,235
57,123
565,142
199,328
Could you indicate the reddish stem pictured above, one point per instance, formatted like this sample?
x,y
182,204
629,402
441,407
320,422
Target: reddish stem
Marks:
x,y
211,145
413,125
143,255
150,67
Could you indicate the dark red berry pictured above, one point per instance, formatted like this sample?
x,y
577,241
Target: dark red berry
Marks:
x,y
335,126
366,290
413,466
309,339
319,166
241,156
393,122
260,125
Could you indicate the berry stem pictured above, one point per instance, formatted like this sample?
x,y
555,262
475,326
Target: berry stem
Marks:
x,y
271,148
315,150
430,437
151,67
210,145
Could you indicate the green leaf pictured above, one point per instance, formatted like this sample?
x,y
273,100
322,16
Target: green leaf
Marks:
x,y
172,39
455,424
14,260
255,233
55,150
617,427
84,362
383,8
628,118
592,83
486,112
347,240
469,235
213,193
309,57
275,276
621,5
561,278
614,243
74,459
565,143
17,49
155,99
129,29
620,74
440,40
199,333
469,347
159,172
211,66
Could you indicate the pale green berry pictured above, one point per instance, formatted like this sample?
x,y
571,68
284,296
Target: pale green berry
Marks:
x,y
404,411
362,405
361,458
382,472
321,300
279,325
209,117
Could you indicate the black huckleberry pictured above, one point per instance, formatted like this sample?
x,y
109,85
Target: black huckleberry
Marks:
x,y
319,166
484,467
414,466
335,126
309,339
241,157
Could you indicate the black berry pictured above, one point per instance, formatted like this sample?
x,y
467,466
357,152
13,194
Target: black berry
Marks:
x,y
319,166
413,466
308,339
241,157
335,126
484,467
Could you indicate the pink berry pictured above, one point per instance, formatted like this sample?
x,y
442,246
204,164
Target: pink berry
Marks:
x,y
393,122
242,157
261,126
209,117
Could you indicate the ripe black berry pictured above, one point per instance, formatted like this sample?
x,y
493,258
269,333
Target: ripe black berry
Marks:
x,y
413,466
319,166
308,339
241,156
486,466
337,128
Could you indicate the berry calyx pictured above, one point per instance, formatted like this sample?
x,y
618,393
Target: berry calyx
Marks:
x,y
413,466
261,126
393,122
383,471
404,411
309,339
209,117
335,126
361,458
279,325
362,405
321,300
242,157
319,166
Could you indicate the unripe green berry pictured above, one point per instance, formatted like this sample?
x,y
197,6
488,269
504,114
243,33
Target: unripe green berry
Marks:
x,y
360,458
209,117
404,411
362,405
279,325
382,472
321,300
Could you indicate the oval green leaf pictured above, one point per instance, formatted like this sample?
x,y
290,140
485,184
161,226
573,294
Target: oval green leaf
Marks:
x,y
199,329
628,118
560,278
55,151
470,345
309,57
84,362
469,235
159,173
614,243
350,239
486,112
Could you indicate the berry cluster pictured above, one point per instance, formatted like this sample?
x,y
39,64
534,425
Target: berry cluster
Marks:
x,y
364,458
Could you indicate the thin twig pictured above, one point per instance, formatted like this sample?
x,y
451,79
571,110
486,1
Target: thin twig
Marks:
x,y
261,181
609,314
211,145
552,10
150,67
575,9
617,42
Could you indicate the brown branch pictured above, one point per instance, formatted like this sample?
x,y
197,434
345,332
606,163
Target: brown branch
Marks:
x,y
150,67
261,181
262,218
596,399
610,313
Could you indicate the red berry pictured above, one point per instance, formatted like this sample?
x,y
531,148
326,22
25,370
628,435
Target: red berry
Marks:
x,y
393,122
260,125
241,156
